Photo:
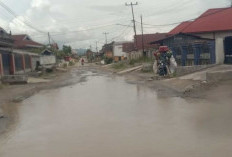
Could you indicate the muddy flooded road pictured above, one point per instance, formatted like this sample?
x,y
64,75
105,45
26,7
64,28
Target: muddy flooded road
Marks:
x,y
104,116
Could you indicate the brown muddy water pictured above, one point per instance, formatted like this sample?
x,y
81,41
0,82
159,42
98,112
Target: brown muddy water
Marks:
x,y
107,117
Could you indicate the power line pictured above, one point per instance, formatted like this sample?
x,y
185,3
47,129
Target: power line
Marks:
x,y
69,32
123,25
122,33
182,21
9,10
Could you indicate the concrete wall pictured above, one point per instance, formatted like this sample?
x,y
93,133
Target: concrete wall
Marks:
x,y
47,60
134,55
13,71
219,76
219,43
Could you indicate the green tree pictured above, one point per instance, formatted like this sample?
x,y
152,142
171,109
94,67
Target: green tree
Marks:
x,y
67,49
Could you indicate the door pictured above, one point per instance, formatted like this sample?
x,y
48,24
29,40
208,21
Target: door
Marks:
x,y
228,50
6,63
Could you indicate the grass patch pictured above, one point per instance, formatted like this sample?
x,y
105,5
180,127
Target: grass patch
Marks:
x,y
119,66
3,86
141,60
71,63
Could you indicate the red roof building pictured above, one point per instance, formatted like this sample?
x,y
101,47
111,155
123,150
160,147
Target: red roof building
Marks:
x,y
148,38
128,47
214,24
180,28
23,41
213,20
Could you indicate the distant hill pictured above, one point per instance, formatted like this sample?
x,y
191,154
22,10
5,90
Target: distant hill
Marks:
x,y
81,52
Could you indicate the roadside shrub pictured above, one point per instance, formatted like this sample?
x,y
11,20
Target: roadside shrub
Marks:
x,y
119,66
65,65
132,62
71,63
108,60
141,60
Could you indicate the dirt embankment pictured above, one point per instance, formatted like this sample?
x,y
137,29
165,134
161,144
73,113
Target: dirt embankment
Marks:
x,y
177,87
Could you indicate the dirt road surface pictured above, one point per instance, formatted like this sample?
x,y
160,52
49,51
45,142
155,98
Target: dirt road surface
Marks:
x,y
95,114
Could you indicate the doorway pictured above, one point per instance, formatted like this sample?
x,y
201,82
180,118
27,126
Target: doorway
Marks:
x,y
228,50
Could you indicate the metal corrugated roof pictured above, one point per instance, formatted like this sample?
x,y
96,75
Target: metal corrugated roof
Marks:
x,y
213,20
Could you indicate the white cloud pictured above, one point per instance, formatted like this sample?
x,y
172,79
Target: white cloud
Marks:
x,y
60,17
40,3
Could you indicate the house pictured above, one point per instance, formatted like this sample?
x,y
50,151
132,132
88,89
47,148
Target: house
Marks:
x,y
107,50
6,57
190,49
24,41
14,61
47,59
90,55
215,24
118,53
143,42
24,61
55,46
130,50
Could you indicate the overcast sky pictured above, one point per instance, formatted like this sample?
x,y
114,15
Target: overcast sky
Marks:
x,y
80,23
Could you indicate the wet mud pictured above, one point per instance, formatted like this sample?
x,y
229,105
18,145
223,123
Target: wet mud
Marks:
x,y
103,115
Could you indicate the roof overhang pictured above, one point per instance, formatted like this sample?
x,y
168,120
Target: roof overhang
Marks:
x,y
186,34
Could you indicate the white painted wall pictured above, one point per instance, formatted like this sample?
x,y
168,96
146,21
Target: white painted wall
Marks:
x,y
219,43
118,50
47,60
134,55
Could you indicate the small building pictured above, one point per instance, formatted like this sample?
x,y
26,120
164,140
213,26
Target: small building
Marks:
x,y
55,46
47,59
118,52
130,50
190,49
25,61
24,41
6,44
215,24
90,55
143,42
15,61
107,50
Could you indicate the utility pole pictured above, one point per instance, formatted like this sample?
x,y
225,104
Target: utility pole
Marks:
x,y
96,46
106,36
132,9
144,53
49,39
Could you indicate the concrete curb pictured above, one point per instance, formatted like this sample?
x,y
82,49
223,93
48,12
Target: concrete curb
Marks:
x,y
130,70
216,76
1,114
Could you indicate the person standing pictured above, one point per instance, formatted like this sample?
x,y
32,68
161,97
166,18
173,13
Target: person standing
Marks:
x,y
82,61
